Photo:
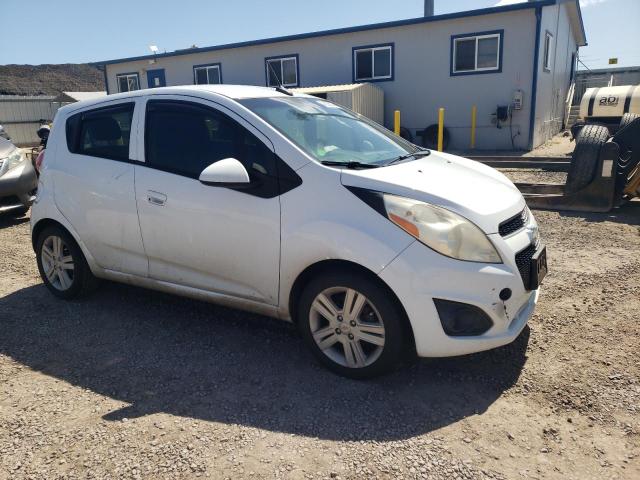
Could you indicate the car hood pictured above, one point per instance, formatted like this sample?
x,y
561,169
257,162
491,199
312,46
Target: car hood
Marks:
x,y
477,192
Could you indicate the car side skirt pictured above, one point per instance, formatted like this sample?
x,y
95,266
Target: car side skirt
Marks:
x,y
191,292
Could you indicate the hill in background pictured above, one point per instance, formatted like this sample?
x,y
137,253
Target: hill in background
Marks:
x,y
49,79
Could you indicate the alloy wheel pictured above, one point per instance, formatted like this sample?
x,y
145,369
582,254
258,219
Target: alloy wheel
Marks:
x,y
347,327
57,263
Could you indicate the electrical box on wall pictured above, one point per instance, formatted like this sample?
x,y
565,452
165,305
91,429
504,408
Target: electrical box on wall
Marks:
x,y
502,113
517,100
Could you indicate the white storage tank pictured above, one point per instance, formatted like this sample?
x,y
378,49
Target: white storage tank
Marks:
x,y
363,98
608,104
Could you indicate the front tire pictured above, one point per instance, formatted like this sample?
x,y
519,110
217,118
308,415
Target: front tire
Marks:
x,y
352,324
61,264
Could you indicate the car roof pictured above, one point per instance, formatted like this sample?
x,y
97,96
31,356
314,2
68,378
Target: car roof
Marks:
x,y
234,92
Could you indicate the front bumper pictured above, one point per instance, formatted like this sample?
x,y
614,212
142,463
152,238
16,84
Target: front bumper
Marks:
x,y
17,187
418,275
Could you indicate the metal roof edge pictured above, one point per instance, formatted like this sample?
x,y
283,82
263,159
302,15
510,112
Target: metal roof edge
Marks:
x,y
583,31
338,31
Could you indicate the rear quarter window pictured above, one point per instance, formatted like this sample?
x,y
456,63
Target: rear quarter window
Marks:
x,y
103,132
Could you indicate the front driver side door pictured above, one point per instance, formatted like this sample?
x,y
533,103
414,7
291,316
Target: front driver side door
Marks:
x,y
208,237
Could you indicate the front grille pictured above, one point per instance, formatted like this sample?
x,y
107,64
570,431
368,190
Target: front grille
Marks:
x,y
523,261
514,223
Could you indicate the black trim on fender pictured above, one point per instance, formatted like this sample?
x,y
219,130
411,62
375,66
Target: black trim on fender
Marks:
x,y
372,198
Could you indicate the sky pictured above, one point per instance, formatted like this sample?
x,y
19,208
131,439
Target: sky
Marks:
x,y
78,31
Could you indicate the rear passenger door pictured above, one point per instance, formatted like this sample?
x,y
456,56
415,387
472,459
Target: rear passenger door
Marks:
x,y
214,238
94,185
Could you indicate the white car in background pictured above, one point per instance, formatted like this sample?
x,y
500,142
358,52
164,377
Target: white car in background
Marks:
x,y
293,207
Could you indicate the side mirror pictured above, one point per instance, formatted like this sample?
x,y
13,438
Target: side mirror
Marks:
x,y
228,172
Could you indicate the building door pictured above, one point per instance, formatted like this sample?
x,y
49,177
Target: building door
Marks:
x,y
155,78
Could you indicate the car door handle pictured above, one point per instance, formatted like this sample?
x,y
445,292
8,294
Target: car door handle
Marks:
x,y
156,198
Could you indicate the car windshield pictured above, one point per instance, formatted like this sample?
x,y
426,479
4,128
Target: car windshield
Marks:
x,y
330,133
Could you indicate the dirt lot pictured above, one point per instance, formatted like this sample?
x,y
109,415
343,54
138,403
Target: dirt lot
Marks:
x,y
134,384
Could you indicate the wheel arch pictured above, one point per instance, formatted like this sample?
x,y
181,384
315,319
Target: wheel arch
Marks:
x,y
41,225
313,270
45,222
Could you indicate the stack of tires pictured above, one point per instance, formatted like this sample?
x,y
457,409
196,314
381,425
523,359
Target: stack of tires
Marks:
x,y
584,160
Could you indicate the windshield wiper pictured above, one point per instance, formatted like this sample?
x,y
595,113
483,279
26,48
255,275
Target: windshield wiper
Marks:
x,y
352,165
419,153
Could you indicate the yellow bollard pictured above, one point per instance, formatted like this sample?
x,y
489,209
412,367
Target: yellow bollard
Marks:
x,y
474,114
396,122
440,129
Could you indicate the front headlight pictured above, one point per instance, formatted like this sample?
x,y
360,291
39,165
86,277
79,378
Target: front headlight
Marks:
x,y
14,159
442,230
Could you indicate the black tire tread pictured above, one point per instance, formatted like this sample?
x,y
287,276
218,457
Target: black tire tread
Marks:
x,y
584,159
627,118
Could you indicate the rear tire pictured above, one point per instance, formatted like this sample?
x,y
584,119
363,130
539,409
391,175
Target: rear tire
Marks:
x,y
62,265
627,118
585,156
352,324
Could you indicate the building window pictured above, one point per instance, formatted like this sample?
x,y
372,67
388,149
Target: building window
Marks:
x,y
373,62
128,82
476,53
282,71
548,41
210,74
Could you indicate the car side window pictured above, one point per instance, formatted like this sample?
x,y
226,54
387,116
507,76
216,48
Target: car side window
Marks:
x,y
103,132
185,138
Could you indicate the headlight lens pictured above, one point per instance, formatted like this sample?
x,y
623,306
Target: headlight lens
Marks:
x,y
442,230
14,159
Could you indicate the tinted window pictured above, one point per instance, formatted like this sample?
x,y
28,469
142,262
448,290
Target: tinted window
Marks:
x,y
364,64
465,54
103,132
185,138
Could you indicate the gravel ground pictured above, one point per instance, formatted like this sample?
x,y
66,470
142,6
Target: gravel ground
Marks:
x,y
523,175
129,383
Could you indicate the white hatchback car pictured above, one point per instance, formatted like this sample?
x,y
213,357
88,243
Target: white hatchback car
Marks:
x,y
293,207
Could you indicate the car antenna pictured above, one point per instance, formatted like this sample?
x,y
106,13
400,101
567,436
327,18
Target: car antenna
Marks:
x,y
279,88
